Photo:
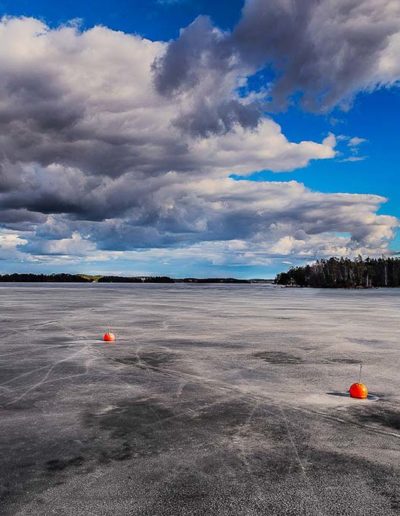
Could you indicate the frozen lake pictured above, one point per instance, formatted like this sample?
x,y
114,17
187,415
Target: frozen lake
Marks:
x,y
215,400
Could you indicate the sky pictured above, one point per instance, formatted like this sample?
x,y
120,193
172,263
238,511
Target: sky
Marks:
x,y
197,138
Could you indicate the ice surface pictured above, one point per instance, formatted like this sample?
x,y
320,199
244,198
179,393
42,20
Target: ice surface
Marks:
x,y
214,400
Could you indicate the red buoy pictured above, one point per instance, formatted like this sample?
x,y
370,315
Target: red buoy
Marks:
x,y
358,390
108,337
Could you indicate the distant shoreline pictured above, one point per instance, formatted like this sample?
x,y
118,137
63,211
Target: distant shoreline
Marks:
x,y
87,278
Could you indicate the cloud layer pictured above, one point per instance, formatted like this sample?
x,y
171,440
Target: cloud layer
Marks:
x,y
113,146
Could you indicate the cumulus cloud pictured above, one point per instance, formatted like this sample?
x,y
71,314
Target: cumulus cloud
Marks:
x,y
87,100
104,154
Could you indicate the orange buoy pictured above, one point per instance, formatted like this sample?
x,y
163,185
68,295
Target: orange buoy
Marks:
x,y
358,390
108,337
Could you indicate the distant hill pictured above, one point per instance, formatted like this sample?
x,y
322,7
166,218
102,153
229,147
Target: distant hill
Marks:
x,y
87,278
344,273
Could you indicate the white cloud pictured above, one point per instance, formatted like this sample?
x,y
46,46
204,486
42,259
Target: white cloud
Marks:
x,y
73,246
353,159
355,141
9,243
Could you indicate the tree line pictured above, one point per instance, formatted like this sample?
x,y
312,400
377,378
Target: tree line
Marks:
x,y
38,278
344,273
87,278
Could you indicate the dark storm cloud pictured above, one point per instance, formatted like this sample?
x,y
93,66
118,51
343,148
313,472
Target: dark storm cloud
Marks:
x,y
38,96
176,70
219,117
202,60
20,218
326,50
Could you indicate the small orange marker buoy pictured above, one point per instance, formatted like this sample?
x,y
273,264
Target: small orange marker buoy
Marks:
x,y
109,337
359,390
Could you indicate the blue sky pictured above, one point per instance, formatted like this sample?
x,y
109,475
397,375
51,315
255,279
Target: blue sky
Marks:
x,y
236,144
153,19
374,117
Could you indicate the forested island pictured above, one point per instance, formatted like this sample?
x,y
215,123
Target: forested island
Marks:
x,y
344,273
